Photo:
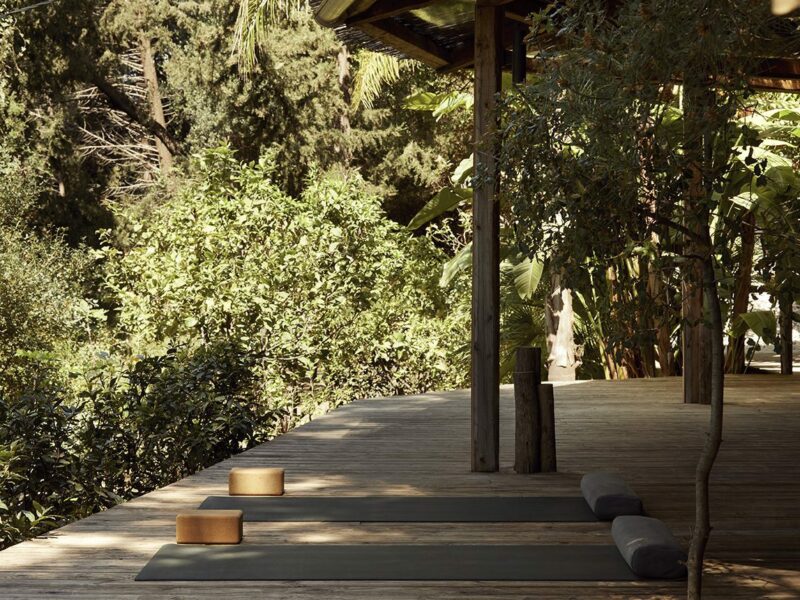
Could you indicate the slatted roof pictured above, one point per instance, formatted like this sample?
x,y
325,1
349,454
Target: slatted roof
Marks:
x,y
440,33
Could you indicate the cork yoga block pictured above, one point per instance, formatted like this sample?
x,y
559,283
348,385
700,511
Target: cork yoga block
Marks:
x,y
209,527
255,482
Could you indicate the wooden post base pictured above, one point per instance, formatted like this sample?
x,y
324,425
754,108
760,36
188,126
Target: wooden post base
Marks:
x,y
547,415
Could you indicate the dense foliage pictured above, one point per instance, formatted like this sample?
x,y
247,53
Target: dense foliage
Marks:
x,y
236,312
606,204
336,300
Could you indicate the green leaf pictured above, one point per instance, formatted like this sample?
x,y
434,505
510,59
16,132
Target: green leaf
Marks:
x,y
376,70
464,170
427,101
783,114
527,276
462,260
453,102
445,200
761,322
439,104
749,154
745,200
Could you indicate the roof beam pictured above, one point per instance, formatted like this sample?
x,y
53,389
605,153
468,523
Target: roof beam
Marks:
x,y
466,56
384,9
406,41
778,74
520,10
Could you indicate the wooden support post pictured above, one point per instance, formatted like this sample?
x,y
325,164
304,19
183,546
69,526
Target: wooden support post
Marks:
x,y
527,431
786,303
486,244
547,415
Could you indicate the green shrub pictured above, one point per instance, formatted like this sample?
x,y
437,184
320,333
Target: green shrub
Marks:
x,y
43,301
158,419
138,425
337,301
36,470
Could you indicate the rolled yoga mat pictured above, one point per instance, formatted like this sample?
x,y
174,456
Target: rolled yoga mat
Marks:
x,y
371,562
407,509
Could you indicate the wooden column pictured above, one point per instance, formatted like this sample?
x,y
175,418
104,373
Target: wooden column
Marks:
x,y
527,424
486,245
786,304
547,416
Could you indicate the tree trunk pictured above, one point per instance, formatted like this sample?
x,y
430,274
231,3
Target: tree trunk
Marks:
x,y
695,341
84,69
154,99
698,99
343,67
662,323
702,518
786,308
648,348
735,358
559,322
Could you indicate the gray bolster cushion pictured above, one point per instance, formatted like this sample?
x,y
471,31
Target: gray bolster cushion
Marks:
x,y
649,547
609,496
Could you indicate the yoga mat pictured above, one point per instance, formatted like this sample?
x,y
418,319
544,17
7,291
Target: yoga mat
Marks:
x,y
407,509
370,562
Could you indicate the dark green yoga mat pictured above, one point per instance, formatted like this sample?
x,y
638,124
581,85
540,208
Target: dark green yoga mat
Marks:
x,y
407,509
370,562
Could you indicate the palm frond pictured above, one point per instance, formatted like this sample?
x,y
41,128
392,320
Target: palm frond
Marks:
x,y
252,24
375,71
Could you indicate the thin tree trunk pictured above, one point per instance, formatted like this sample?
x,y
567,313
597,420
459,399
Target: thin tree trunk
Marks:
x,y
559,322
154,99
663,325
648,348
735,358
616,356
343,67
667,318
648,276
702,517
786,308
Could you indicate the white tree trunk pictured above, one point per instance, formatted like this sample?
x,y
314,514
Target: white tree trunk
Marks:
x,y
562,360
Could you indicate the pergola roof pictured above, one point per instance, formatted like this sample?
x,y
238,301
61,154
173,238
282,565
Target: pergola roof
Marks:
x,y
440,33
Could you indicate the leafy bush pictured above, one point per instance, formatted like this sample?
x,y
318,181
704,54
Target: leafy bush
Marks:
x,y
336,300
43,304
136,426
36,472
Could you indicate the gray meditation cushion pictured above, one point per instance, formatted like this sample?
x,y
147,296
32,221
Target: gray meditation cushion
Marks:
x,y
649,547
609,496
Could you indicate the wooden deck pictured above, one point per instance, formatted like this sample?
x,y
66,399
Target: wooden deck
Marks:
x,y
419,445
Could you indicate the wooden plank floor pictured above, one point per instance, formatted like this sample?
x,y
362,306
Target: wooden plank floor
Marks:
x,y
419,445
